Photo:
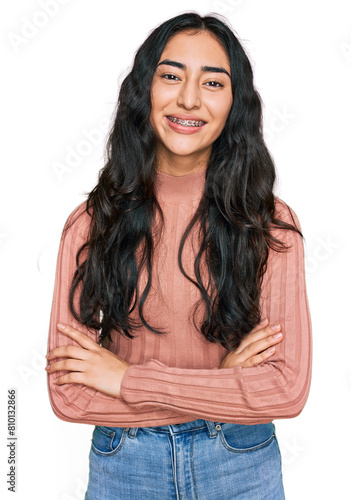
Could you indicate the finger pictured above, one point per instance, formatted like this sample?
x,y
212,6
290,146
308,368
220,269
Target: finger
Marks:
x,y
259,358
67,351
66,365
262,344
78,336
259,334
260,325
71,378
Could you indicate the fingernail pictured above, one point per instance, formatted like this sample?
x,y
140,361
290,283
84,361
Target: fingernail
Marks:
x,y
271,350
275,328
277,335
61,326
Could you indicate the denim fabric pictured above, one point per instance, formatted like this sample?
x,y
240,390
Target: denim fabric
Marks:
x,y
198,460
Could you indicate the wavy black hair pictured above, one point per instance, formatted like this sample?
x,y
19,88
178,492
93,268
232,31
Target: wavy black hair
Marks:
x,y
236,212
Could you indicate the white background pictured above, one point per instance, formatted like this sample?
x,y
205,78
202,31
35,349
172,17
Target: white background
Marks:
x,y
60,78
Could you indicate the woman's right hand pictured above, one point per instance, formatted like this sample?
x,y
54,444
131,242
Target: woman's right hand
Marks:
x,y
256,347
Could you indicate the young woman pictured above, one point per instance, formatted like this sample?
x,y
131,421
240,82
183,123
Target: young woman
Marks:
x,y
180,325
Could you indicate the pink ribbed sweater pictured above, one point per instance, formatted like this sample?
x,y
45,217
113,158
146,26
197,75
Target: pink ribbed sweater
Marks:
x,y
174,378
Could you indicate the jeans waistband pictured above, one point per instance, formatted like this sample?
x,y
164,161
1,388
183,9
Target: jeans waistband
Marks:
x,y
194,425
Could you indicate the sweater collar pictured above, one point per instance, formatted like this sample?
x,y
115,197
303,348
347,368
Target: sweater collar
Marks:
x,y
170,188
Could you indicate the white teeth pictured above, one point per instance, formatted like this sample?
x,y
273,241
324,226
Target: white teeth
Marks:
x,y
186,123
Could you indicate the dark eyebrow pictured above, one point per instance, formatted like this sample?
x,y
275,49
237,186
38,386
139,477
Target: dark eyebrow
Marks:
x,y
211,69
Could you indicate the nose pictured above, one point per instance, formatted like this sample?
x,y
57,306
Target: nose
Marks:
x,y
189,95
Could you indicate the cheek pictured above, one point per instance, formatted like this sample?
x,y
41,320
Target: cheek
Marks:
x,y
220,107
159,97
223,110
163,97
154,98
154,110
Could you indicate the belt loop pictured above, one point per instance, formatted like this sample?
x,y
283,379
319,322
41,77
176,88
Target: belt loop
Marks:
x,y
132,431
212,431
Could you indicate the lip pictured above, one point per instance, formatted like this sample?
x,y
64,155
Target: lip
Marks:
x,y
188,117
182,129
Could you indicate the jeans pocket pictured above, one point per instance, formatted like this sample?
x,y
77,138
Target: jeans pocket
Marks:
x,y
107,441
246,438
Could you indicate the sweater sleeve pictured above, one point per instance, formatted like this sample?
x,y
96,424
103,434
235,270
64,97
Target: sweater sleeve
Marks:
x,y
277,388
76,402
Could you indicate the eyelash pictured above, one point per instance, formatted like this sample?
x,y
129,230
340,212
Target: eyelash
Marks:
x,y
218,84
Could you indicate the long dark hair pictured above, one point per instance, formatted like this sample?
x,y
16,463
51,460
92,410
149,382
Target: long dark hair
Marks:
x,y
236,213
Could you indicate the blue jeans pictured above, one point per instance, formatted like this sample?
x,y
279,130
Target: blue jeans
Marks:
x,y
197,460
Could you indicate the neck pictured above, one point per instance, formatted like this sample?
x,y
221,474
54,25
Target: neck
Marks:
x,y
177,189
179,166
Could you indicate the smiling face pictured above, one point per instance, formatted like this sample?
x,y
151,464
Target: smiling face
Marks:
x,y
191,97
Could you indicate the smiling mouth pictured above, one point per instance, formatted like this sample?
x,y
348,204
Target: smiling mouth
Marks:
x,y
186,123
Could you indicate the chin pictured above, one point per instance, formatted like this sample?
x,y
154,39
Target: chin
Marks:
x,y
183,152
185,149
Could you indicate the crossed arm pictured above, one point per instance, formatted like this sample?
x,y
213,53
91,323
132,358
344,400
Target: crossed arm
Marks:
x,y
90,384
94,366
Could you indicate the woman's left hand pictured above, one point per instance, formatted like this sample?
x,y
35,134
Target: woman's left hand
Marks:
x,y
90,364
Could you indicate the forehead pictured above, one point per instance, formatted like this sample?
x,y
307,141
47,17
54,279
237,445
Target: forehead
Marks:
x,y
196,48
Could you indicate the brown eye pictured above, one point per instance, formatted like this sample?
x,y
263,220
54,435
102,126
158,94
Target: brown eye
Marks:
x,y
214,83
170,76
